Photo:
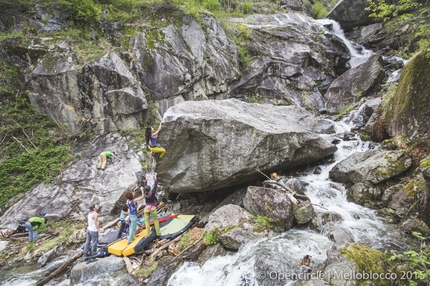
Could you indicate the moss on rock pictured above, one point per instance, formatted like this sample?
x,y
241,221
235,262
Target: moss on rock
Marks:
x,y
368,261
415,185
407,112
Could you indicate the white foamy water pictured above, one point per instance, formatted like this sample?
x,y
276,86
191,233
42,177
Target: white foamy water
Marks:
x,y
357,56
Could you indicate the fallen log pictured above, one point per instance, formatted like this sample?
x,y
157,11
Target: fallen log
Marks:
x,y
112,223
164,246
59,270
128,264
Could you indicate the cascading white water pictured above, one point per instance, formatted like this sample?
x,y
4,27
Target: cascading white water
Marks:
x,y
241,268
357,56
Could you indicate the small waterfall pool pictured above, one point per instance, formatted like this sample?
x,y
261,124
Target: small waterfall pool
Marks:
x,y
287,249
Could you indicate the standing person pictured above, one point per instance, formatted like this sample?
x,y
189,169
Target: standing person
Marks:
x,y
103,159
122,217
151,140
33,224
93,229
151,206
132,213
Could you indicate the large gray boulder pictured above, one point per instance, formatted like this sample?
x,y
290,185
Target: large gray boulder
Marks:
x,y
408,110
271,203
82,271
200,61
374,166
215,144
107,96
233,226
354,84
351,13
81,185
294,59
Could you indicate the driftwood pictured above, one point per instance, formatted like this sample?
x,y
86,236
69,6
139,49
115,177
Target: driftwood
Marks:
x,y
128,264
186,249
293,196
112,223
164,246
142,260
59,270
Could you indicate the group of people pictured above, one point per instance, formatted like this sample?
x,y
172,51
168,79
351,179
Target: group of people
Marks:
x,y
130,210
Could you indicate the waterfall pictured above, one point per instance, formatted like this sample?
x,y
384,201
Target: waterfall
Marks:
x,y
358,56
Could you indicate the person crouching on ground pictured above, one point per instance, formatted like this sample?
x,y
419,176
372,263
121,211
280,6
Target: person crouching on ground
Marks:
x,y
151,207
122,217
103,159
93,230
151,140
132,213
33,224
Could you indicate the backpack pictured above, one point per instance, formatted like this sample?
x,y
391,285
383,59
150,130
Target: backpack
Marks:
x,y
21,227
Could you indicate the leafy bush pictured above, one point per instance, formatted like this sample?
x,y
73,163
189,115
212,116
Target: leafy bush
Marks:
x,y
263,223
185,242
247,7
383,10
212,5
417,264
319,10
83,10
211,238
31,154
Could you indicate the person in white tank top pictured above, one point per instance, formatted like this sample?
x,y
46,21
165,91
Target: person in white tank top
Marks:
x,y
93,230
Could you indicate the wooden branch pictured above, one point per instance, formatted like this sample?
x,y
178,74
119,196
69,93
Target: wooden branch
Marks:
x,y
142,260
279,183
3,139
183,251
29,139
20,143
112,223
59,270
406,215
301,197
320,206
128,265
258,170
17,124
165,246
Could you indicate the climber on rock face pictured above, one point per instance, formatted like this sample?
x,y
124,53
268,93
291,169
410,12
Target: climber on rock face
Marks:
x,y
151,140
103,159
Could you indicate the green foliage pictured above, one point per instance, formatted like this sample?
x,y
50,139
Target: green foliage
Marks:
x,y
211,238
65,235
319,10
424,164
185,242
247,7
145,272
424,35
345,111
83,10
31,153
31,246
383,10
212,5
10,79
416,263
263,223
241,36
